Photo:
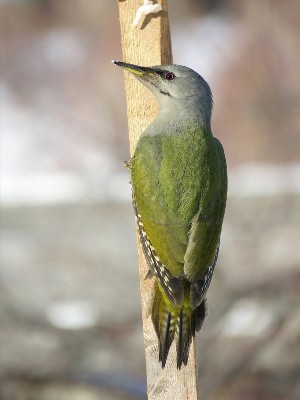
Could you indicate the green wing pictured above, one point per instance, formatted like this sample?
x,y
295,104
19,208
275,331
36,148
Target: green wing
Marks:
x,y
207,223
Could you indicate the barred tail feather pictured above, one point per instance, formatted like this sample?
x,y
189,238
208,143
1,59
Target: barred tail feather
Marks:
x,y
184,337
164,326
180,323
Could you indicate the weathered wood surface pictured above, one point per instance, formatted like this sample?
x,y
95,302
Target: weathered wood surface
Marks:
x,y
150,44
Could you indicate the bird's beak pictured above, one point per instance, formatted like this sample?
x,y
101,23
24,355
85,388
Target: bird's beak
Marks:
x,y
135,69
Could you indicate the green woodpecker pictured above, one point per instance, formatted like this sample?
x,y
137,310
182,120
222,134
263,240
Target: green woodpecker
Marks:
x,y
179,181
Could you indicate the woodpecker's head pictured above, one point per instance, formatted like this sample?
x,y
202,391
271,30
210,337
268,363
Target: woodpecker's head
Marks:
x,y
173,84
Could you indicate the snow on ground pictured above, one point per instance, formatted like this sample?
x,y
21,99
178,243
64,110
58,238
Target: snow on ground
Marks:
x,y
30,174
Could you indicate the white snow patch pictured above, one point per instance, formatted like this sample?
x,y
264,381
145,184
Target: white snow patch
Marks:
x,y
247,318
41,189
257,180
76,314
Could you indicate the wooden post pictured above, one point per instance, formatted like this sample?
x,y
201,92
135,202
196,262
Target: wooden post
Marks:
x,y
149,44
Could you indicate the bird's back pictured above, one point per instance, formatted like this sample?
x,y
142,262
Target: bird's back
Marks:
x,y
176,179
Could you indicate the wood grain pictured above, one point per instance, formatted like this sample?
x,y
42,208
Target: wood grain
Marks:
x,y
149,44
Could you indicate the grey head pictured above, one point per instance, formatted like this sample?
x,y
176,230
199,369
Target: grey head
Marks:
x,y
176,87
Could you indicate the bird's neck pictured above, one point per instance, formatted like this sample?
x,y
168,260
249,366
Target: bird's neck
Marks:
x,y
182,115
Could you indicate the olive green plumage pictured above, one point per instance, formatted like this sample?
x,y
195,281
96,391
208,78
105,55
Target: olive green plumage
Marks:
x,y
179,181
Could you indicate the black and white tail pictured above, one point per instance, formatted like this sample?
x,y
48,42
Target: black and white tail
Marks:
x,y
179,323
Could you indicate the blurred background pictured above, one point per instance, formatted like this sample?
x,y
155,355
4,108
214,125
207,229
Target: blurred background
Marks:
x,y
70,317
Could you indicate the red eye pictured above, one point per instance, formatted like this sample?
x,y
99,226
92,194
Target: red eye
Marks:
x,y
169,76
